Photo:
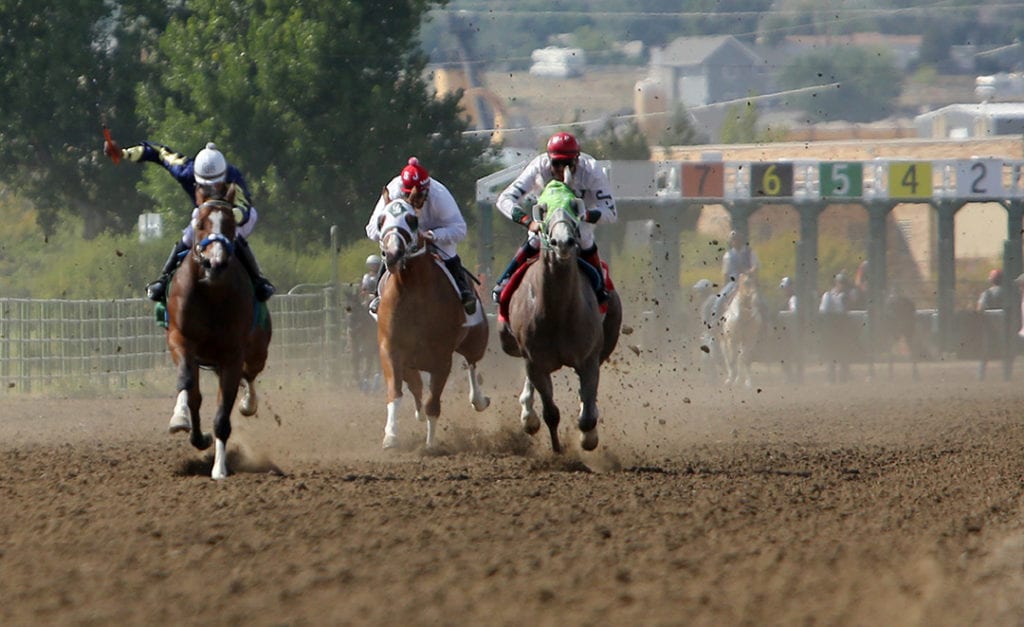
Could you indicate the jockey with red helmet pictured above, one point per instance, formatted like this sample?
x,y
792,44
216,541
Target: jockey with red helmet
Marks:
x,y
208,168
440,222
562,161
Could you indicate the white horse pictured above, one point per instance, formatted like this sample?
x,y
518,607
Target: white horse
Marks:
x,y
741,327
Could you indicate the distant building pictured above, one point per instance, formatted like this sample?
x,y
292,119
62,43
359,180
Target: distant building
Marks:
x,y
696,71
962,121
558,62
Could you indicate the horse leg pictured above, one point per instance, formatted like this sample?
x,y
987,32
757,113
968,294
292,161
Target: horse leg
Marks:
x,y
589,376
230,377
529,417
250,402
438,379
542,384
393,384
477,398
187,407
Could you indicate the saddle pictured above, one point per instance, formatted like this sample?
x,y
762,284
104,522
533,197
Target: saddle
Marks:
x,y
517,277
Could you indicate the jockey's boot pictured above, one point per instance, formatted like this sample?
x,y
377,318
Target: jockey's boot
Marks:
x,y
157,290
375,302
466,294
591,257
264,289
526,251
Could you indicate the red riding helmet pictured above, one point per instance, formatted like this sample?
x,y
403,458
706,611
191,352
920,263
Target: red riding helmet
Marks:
x,y
995,277
563,146
415,176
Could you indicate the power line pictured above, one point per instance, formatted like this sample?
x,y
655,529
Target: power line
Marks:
x,y
632,116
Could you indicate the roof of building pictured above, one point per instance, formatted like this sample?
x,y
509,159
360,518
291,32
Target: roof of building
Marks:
x,y
696,50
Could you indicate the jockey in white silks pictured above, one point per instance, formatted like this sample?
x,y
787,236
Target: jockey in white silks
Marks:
x,y
587,180
739,259
440,222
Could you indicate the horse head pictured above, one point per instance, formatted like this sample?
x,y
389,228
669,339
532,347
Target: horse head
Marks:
x,y
214,226
399,233
558,210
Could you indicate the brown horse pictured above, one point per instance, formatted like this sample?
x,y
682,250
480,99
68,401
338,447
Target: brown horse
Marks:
x,y
742,324
421,322
554,321
215,322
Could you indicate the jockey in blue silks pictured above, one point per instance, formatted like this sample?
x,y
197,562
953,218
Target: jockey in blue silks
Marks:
x,y
207,168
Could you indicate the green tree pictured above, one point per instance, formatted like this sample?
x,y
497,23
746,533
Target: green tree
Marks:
x,y
319,104
681,129
868,84
68,67
624,141
740,125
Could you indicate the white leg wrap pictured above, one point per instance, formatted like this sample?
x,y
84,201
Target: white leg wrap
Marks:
x,y
529,418
220,460
181,419
391,426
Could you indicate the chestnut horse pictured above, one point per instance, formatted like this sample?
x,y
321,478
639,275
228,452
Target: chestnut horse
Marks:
x,y
421,323
554,321
214,321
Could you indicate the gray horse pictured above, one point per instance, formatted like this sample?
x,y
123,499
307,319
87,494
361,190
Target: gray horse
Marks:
x,y
554,320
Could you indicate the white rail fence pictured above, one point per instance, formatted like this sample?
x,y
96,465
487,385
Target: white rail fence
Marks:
x,y
66,345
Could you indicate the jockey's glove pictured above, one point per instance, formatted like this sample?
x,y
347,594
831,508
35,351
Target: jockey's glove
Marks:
x,y
521,216
591,216
133,153
241,215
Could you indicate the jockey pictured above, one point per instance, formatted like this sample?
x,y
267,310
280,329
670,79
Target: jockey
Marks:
x,y
207,168
589,182
440,222
368,284
836,300
739,259
788,293
992,297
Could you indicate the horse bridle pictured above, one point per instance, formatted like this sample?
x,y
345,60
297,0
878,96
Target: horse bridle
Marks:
x,y
214,237
407,243
562,216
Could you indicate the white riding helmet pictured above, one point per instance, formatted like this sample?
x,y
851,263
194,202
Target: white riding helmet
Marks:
x,y
373,261
210,166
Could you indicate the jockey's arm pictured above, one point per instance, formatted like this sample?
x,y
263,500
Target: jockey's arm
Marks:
x,y
372,232
510,201
597,192
173,161
447,223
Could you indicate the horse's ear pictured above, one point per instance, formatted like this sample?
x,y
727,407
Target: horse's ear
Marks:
x,y
386,194
380,221
413,221
539,211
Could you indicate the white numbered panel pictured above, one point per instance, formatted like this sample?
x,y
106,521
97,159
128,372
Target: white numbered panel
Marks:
x,y
979,178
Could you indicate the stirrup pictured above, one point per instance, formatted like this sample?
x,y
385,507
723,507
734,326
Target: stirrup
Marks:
x,y
496,292
374,305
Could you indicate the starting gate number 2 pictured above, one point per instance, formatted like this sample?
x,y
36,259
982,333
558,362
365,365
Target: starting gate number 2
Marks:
x,y
979,177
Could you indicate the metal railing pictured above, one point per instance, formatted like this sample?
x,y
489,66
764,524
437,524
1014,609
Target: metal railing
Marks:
x,y
48,345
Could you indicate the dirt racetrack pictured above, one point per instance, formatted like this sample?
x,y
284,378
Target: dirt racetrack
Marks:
x,y
895,503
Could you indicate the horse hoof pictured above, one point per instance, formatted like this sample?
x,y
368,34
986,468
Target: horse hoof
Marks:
x,y
179,424
390,441
588,440
531,424
483,404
